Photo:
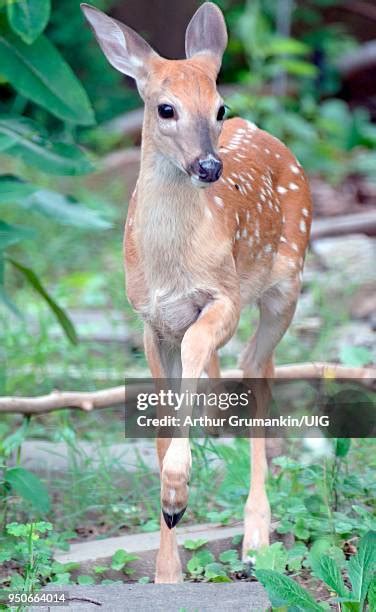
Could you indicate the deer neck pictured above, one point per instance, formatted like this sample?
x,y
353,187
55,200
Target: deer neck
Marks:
x,y
169,211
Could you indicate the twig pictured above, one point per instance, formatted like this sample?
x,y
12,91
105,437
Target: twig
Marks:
x,y
118,395
359,223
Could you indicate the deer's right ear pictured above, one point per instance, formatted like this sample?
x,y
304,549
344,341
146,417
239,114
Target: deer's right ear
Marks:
x,y
123,47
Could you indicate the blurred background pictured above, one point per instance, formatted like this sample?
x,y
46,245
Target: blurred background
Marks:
x,y
70,132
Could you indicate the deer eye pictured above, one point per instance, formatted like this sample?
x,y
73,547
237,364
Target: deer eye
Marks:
x,y
221,113
165,111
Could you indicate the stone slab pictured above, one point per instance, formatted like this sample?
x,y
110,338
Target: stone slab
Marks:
x,y
145,546
190,597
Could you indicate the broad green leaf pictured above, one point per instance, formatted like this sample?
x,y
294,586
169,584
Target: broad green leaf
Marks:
x,y
29,487
11,234
194,544
299,68
284,591
328,571
28,18
372,595
30,143
272,557
13,189
362,566
60,315
214,570
355,356
120,558
229,556
39,73
65,210
286,46
61,208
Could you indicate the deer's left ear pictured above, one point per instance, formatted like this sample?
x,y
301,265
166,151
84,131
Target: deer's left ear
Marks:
x,y
207,34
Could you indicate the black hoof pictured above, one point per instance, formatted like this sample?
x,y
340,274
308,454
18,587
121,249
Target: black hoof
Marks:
x,y
172,519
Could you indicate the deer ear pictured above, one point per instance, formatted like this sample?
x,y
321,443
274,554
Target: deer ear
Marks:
x,y
123,47
207,33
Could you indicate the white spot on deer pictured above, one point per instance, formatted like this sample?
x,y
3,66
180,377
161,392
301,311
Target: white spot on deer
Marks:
x,y
281,189
244,233
259,207
250,241
283,239
237,235
267,248
304,212
130,221
302,226
218,201
293,186
277,155
294,169
267,151
295,247
237,218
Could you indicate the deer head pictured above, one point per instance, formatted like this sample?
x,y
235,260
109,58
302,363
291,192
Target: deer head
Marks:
x,y
184,112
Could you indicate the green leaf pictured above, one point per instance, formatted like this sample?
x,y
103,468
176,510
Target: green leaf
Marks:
x,y
229,556
272,557
60,315
214,570
11,234
85,580
194,566
29,487
22,138
194,544
121,558
286,46
328,571
362,566
65,209
13,189
28,18
284,591
299,68
342,446
355,356
372,595
39,73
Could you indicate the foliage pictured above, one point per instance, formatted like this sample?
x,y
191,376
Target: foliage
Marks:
x,y
361,569
35,69
290,92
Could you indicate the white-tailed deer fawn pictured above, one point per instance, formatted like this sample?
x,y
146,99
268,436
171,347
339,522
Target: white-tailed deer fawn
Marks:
x,y
220,218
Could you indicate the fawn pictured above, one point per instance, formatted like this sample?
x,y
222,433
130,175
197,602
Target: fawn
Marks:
x,y
220,218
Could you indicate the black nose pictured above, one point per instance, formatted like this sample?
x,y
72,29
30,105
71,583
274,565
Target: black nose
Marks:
x,y
208,170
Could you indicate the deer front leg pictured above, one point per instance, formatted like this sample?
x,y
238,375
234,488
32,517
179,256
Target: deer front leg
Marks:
x,y
214,326
168,565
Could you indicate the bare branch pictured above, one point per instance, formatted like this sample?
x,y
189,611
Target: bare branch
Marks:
x,y
118,395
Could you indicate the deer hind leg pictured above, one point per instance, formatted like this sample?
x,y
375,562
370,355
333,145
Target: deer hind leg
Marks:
x,y
168,565
277,307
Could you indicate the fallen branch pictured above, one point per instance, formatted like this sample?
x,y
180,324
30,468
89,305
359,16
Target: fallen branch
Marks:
x,y
88,401
358,223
